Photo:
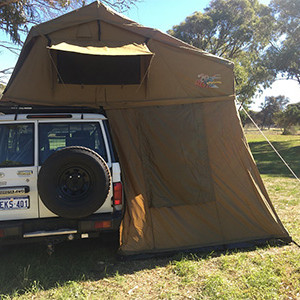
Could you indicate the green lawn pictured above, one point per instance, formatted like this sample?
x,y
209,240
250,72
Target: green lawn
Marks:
x,y
88,269
267,160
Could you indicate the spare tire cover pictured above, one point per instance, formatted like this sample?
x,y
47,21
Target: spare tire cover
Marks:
x,y
74,182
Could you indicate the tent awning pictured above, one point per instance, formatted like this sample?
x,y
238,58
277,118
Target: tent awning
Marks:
x,y
99,63
111,50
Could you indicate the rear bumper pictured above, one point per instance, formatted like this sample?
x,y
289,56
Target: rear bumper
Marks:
x,y
58,228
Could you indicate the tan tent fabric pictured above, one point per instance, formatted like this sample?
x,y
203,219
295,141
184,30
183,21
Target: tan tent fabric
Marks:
x,y
190,180
207,192
131,49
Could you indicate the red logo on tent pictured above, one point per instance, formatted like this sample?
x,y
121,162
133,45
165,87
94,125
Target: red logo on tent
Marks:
x,y
206,81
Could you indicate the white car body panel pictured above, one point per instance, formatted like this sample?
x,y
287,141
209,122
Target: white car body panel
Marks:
x,y
37,208
12,179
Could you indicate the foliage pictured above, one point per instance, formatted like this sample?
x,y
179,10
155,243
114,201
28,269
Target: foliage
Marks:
x,y
270,108
289,117
284,52
255,115
120,5
237,30
17,15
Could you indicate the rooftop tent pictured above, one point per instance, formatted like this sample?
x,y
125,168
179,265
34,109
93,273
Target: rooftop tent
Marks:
x,y
190,179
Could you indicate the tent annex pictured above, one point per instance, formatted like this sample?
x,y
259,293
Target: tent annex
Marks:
x,y
190,179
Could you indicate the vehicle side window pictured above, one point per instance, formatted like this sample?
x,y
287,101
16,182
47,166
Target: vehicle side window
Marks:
x,y
16,145
55,136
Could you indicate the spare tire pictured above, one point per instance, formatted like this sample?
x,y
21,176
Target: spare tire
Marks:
x,y
74,182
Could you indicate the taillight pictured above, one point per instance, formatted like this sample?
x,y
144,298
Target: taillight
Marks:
x,y
118,193
2,234
102,224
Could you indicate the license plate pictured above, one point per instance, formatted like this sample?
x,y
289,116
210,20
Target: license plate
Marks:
x,y
14,203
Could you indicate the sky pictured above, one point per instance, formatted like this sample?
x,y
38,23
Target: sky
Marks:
x,y
162,15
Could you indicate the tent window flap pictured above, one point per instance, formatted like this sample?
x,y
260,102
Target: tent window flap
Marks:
x,y
101,65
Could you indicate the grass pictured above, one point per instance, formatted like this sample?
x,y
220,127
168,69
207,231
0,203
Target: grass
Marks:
x,y
267,160
89,269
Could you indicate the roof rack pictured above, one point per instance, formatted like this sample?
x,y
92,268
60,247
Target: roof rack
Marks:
x,y
14,108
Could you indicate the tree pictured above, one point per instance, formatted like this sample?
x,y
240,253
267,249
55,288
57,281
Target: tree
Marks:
x,y
289,117
283,54
253,114
272,106
16,16
237,30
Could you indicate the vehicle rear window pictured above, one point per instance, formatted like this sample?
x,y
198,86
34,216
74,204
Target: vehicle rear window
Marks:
x,y
55,136
16,145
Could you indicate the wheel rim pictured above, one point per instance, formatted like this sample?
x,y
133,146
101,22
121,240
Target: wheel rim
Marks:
x,y
74,182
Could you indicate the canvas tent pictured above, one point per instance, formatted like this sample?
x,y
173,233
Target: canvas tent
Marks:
x,y
190,179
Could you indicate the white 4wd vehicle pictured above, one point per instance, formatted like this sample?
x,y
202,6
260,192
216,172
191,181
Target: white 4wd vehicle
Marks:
x,y
58,175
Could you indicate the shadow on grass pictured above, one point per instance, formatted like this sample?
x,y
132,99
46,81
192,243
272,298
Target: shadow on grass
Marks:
x,y
28,267
269,163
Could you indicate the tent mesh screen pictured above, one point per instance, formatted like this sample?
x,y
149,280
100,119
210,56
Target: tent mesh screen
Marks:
x,y
75,68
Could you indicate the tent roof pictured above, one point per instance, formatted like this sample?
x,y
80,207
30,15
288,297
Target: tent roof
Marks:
x,y
99,11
